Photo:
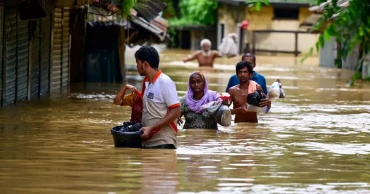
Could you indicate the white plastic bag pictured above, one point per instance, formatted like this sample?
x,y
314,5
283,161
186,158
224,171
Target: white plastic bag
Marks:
x,y
257,109
274,90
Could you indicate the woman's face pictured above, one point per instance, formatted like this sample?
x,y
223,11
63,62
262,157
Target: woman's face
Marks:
x,y
196,83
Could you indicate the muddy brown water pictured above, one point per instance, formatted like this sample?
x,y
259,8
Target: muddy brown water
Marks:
x,y
316,140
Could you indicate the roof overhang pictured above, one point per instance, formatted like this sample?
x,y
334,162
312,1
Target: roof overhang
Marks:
x,y
273,3
309,22
139,28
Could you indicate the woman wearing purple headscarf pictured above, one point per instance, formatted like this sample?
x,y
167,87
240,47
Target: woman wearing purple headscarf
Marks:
x,y
191,105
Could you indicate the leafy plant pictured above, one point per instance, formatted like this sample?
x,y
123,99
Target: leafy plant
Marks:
x,y
350,26
196,12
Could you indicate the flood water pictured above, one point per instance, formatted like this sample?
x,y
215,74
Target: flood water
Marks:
x,y
316,140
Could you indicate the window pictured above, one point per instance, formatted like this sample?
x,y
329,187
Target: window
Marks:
x,y
221,32
286,13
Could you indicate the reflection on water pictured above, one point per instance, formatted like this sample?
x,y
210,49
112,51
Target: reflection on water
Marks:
x,y
314,141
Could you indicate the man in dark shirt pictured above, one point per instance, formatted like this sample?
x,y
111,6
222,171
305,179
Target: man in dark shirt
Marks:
x,y
260,79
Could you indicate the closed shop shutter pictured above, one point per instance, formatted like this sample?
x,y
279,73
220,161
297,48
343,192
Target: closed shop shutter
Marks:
x,y
1,53
35,58
9,94
22,58
65,48
57,46
60,66
60,69
45,55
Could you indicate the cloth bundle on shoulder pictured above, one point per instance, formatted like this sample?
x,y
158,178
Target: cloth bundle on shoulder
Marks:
x,y
220,112
229,47
135,101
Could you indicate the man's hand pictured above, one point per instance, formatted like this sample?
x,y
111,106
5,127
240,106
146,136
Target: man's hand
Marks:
x,y
240,110
265,102
147,131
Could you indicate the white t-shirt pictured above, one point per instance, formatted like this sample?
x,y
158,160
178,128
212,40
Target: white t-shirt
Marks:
x,y
159,96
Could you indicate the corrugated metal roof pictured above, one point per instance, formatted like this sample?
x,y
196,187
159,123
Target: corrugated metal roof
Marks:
x,y
272,2
321,7
312,20
150,9
11,2
148,26
98,16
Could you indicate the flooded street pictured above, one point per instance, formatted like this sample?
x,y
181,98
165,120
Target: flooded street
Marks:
x,y
316,140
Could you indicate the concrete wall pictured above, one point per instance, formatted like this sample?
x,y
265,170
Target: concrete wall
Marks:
x,y
263,20
198,35
230,16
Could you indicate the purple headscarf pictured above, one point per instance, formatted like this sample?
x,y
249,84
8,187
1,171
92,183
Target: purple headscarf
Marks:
x,y
209,96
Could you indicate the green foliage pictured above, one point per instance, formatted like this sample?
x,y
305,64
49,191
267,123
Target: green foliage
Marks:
x,y
257,4
125,6
349,26
196,12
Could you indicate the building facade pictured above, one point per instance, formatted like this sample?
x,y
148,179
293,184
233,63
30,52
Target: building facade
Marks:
x,y
273,29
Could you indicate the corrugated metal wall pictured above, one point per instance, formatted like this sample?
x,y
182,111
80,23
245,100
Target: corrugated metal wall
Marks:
x,y
45,55
65,48
9,93
22,60
15,62
23,76
1,52
60,66
35,58
328,53
352,59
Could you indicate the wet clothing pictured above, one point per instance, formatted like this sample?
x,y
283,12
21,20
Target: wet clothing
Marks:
x,y
164,146
260,79
158,97
203,120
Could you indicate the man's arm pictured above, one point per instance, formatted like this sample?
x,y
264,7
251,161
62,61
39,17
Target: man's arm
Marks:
x,y
119,97
217,54
171,116
192,57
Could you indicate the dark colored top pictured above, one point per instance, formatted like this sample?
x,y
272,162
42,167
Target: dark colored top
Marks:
x,y
194,120
260,79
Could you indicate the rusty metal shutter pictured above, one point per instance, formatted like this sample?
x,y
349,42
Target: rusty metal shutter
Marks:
x,y
45,55
1,52
35,58
65,48
22,60
60,66
9,93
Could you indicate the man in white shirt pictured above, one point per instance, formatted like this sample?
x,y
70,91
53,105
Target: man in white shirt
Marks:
x,y
161,105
